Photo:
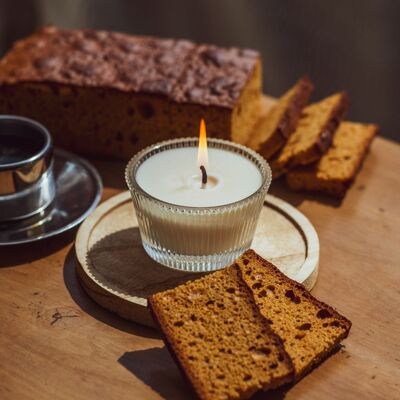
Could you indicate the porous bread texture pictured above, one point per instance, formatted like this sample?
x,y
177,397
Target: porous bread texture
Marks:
x,y
274,129
313,134
309,328
218,337
100,122
337,169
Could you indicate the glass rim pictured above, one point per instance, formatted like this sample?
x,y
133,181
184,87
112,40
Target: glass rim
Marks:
x,y
140,157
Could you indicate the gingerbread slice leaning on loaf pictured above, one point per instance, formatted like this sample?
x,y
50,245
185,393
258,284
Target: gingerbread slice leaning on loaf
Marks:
x,y
309,328
272,132
337,169
313,134
216,334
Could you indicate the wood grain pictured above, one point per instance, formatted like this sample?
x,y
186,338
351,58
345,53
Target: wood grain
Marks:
x,y
116,272
56,343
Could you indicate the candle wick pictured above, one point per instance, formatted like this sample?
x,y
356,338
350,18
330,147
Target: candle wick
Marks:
x,y
203,175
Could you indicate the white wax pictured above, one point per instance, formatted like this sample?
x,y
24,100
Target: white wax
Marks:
x,y
174,177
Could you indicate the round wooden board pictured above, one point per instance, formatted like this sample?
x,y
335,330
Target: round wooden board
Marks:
x,y
116,272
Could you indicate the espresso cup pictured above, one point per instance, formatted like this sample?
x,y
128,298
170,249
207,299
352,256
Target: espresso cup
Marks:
x,y
27,184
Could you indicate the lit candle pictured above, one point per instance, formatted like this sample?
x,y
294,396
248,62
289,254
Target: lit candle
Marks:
x,y
197,205
175,177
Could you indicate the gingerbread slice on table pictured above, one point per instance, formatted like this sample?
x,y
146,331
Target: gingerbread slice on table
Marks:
x,y
309,328
337,169
222,343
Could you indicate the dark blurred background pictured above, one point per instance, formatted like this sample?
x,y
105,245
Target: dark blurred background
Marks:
x,y
352,45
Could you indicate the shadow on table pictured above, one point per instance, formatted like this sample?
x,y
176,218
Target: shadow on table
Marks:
x,y
25,253
121,264
156,368
89,306
280,189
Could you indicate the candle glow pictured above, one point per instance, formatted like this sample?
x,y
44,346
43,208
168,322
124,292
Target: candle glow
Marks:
x,y
202,154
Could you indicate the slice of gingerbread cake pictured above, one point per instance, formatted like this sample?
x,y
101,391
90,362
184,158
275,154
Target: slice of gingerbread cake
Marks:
x,y
273,131
313,134
218,337
309,328
336,170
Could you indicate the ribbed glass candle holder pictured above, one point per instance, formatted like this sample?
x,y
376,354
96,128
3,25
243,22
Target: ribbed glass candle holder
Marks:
x,y
196,239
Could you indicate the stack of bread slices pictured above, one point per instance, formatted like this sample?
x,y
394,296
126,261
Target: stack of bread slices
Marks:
x,y
311,144
245,328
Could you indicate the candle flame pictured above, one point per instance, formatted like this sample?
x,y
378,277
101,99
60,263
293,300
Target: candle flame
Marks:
x,y
202,155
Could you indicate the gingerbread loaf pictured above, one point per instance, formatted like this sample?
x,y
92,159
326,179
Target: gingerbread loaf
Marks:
x,y
219,339
336,170
273,130
111,94
313,134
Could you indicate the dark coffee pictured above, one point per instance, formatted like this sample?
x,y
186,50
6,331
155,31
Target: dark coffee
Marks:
x,y
15,148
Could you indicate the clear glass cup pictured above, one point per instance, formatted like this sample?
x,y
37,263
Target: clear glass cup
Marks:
x,y
196,239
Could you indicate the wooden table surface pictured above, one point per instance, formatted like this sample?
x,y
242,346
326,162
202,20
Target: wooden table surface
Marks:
x,y
56,343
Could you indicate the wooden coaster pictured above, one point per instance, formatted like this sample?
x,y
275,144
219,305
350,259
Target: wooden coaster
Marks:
x,y
116,272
